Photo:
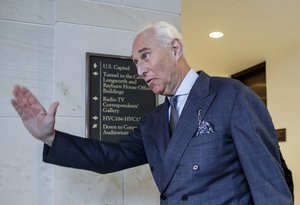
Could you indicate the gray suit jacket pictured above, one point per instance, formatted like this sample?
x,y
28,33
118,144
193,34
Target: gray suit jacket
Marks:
x,y
236,163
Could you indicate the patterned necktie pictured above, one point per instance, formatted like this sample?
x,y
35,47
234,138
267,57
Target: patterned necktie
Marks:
x,y
173,113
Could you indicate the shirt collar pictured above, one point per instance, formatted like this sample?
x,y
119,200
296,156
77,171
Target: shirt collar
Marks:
x,y
187,83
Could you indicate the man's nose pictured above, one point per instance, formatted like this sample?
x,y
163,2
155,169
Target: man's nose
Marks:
x,y
141,69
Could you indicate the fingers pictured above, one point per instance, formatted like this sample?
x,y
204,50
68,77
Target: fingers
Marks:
x,y
23,95
15,105
53,108
20,91
17,102
20,101
24,102
16,89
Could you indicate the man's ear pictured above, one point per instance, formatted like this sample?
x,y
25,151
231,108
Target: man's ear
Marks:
x,y
177,48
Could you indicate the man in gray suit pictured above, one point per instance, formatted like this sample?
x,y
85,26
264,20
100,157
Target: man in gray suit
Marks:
x,y
220,149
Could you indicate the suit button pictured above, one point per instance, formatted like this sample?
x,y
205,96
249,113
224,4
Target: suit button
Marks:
x,y
184,197
163,197
195,167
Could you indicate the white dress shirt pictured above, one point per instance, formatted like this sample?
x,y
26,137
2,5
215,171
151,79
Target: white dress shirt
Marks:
x,y
184,90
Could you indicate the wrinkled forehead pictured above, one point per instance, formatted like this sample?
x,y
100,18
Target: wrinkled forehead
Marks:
x,y
144,39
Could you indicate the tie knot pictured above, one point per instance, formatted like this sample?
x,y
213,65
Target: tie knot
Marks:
x,y
173,100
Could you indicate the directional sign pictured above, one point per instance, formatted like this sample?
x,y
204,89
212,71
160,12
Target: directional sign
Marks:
x,y
117,97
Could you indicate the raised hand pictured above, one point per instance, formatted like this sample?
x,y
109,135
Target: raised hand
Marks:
x,y
36,119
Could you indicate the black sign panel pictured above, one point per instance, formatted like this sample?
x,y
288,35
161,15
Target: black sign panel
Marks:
x,y
117,98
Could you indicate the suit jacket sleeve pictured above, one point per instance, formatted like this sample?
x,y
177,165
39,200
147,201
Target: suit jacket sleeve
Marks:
x,y
257,146
88,154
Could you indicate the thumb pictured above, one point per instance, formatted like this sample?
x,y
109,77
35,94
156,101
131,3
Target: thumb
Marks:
x,y
53,108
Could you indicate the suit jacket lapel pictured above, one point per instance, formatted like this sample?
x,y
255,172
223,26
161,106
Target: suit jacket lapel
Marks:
x,y
161,134
199,98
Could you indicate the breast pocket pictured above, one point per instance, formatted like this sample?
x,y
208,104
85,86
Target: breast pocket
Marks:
x,y
208,140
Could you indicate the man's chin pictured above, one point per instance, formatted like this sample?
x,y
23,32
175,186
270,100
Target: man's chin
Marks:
x,y
157,90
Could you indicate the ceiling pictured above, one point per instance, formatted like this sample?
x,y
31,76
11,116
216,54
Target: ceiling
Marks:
x,y
253,29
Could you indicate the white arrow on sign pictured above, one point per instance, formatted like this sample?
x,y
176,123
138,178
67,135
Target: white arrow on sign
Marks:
x,y
95,65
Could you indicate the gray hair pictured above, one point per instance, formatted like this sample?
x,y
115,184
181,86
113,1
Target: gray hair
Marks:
x,y
165,32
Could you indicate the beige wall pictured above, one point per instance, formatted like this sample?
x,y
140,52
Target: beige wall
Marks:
x,y
283,84
42,46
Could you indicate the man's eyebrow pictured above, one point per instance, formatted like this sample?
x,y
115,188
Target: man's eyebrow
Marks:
x,y
143,50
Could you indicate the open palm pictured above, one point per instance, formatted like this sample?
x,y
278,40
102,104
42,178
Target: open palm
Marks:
x,y
36,119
